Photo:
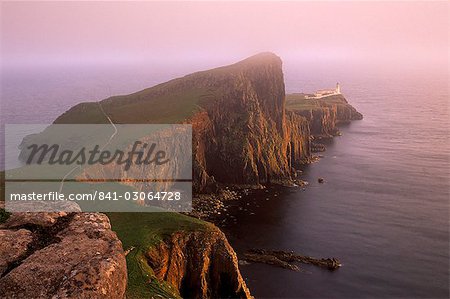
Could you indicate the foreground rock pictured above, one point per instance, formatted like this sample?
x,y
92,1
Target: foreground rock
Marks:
x,y
60,255
199,264
285,258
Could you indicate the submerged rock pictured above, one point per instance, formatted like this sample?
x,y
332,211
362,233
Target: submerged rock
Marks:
x,y
285,259
270,260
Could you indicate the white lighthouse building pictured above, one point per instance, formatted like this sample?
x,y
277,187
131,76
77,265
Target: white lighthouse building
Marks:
x,y
338,88
325,93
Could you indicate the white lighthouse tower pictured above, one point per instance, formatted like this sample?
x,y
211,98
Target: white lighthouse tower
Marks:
x,y
338,88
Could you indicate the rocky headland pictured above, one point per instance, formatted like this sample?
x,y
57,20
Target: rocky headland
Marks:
x,y
323,115
245,135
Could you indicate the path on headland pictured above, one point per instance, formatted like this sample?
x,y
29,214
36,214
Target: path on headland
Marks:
x,y
111,122
106,144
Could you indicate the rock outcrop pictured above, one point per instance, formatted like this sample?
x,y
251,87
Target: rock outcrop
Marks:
x,y
285,259
299,146
323,115
245,130
60,255
322,121
199,264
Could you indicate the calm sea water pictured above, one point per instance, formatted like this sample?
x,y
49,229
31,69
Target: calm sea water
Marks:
x,y
383,210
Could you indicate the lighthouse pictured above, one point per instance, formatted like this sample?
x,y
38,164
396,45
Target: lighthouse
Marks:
x,y
338,88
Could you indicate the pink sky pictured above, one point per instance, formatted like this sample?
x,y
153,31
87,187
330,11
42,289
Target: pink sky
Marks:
x,y
398,33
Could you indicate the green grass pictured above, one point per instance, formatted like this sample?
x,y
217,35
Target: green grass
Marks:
x,y
172,107
143,231
297,101
83,113
156,105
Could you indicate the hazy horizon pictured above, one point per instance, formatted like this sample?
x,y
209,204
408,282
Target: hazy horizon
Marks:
x,y
324,35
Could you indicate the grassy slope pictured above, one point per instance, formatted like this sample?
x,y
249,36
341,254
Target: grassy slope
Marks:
x,y
140,108
296,102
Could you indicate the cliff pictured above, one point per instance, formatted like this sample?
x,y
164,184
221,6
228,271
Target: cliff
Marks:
x,y
60,255
325,114
199,264
241,132
172,255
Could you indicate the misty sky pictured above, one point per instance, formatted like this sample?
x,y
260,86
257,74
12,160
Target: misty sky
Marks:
x,y
341,33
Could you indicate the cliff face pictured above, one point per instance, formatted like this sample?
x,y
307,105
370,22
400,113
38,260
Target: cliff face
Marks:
x,y
59,255
322,121
346,113
324,115
244,136
299,146
198,264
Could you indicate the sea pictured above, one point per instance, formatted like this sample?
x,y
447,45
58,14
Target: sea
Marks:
x,y
383,209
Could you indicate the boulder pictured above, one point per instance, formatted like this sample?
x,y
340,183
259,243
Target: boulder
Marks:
x,y
60,255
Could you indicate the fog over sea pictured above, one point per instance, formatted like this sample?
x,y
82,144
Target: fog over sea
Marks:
x,y
383,209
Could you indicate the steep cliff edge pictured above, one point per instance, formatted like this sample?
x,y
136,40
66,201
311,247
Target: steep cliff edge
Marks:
x,y
173,255
198,264
325,114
